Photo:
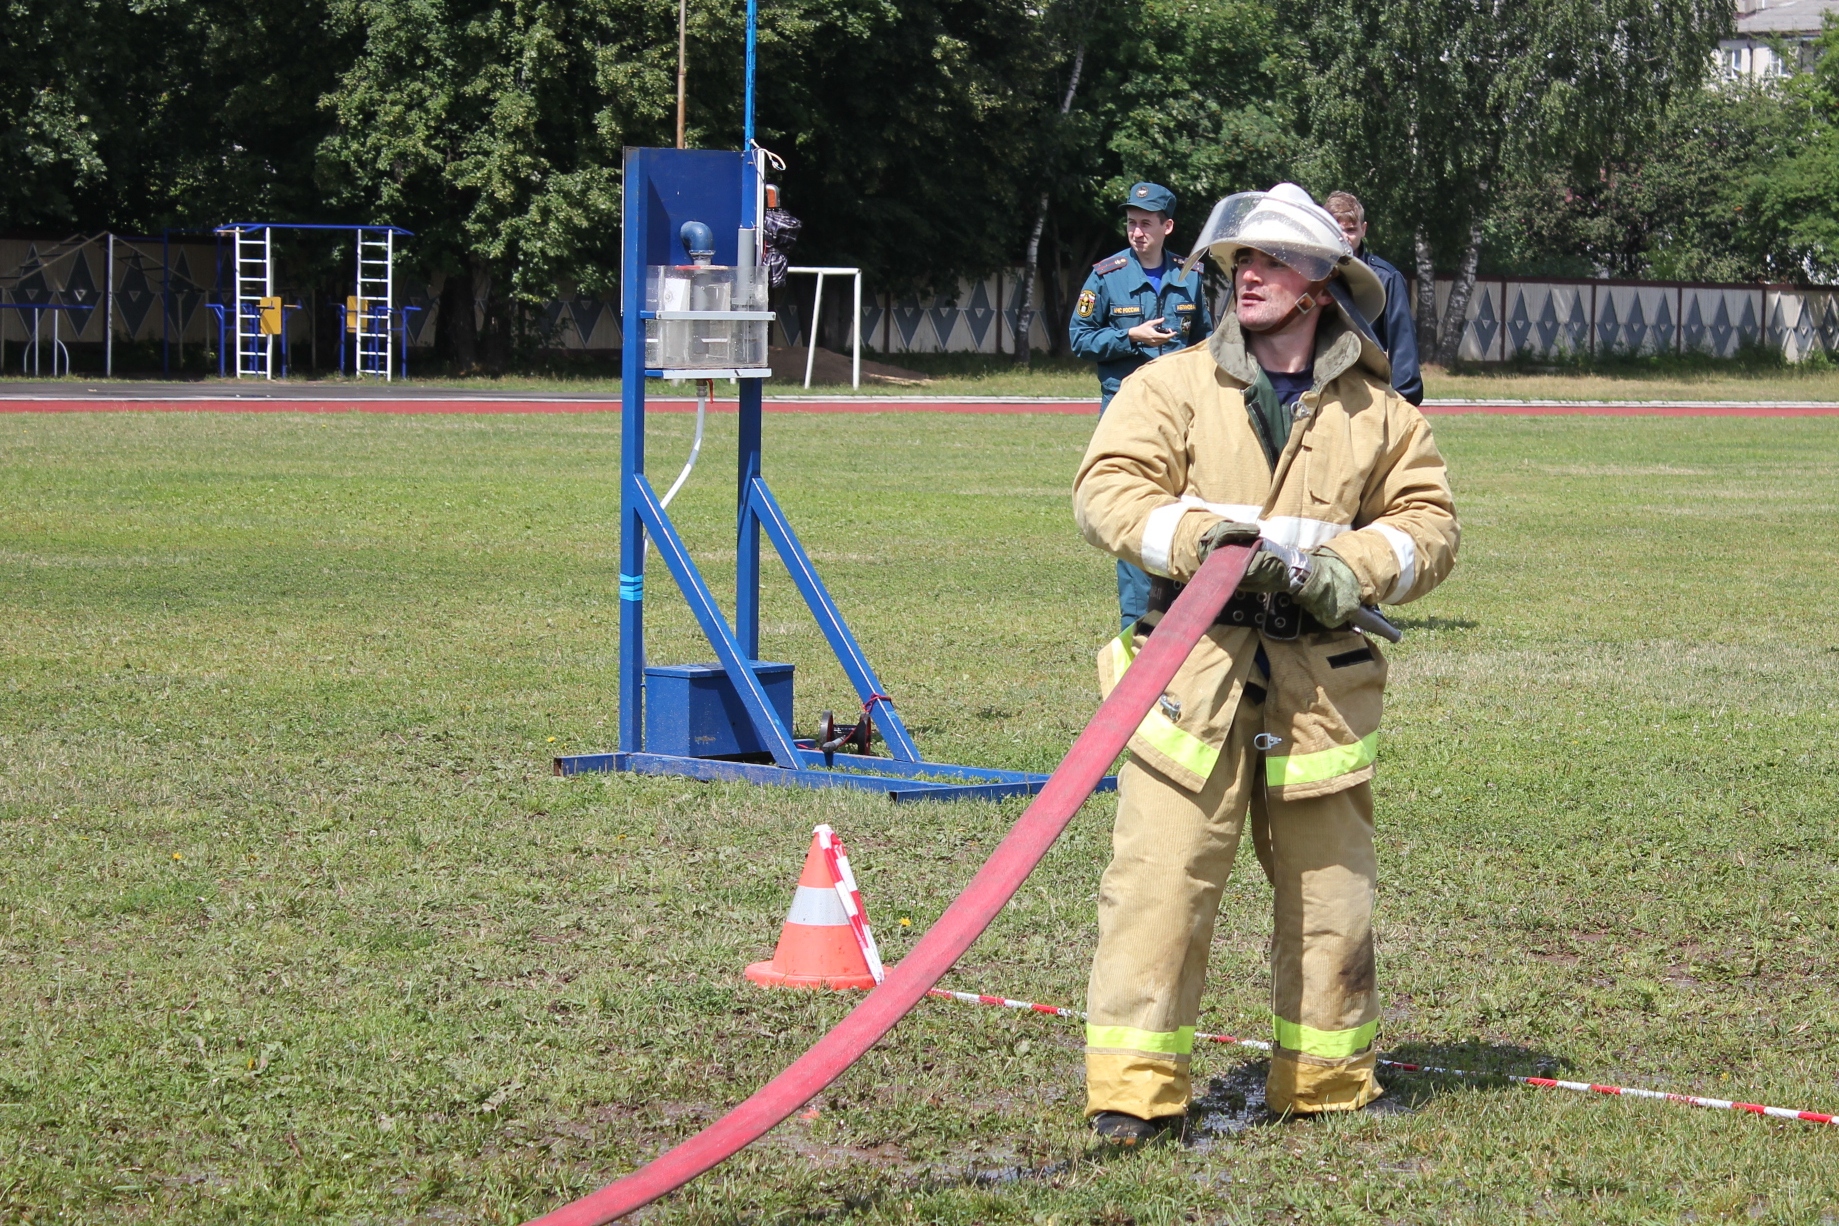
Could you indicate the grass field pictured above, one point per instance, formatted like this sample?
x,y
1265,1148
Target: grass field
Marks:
x,y
298,928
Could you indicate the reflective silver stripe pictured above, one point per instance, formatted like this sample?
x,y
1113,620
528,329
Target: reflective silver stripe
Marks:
x,y
1299,532
817,908
1406,551
1238,512
1159,536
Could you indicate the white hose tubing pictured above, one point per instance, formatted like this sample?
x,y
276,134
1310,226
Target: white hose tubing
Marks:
x,y
704,389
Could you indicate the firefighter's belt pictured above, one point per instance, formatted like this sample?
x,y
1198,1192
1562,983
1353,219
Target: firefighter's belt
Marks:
x,y
1275,615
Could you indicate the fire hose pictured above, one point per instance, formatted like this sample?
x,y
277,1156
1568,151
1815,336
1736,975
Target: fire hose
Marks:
x,y
962,922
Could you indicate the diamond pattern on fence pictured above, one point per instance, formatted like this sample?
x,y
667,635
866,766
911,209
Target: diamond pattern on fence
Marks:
x,y
1485,323
1721,330
872,312
1694,334
80,288
136,297
1749,329
1578,326
979,314
1635,329
585,312
1608,327
1804,334
1548,324
1663,325
944,314
907,316
1519,323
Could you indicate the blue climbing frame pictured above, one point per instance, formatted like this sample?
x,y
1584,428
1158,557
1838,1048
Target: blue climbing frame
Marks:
x,y
663,189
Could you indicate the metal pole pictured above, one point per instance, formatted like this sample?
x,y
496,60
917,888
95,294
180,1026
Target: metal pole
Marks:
x,y
632,458
268,291
855,335
165,303
817,305
753,22
108,314
683,45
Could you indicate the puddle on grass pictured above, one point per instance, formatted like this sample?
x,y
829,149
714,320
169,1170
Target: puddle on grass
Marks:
x,y
1234,1102
1229,1105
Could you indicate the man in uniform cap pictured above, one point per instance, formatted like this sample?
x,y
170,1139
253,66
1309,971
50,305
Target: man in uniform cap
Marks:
x,y
1283,428
1137,305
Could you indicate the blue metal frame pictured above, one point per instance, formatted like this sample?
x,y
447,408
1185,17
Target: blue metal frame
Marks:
x,y
662,189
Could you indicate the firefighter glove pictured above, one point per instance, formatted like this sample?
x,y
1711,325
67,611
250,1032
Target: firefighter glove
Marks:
x,y
1226,532
1332,593
1265,573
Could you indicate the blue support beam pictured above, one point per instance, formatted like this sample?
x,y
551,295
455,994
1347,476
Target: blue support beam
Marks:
x,y
849,653
775,736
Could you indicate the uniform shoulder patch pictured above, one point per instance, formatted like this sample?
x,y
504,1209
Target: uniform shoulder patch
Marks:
x,y
1111,265
1087,301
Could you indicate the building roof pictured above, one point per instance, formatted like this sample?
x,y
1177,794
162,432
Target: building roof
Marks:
x,y
1760,18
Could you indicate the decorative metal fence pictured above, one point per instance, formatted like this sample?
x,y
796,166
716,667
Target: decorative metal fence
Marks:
x,y
162,289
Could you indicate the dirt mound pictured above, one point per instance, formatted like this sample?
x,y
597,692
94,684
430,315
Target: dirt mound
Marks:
x,y
833,367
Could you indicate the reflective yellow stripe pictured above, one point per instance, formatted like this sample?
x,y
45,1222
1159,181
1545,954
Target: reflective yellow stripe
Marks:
x,y
1182,748
1322,764
1128,1038
1124,649
1328,1044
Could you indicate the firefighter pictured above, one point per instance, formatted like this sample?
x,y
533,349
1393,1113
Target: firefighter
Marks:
x,y
1283,426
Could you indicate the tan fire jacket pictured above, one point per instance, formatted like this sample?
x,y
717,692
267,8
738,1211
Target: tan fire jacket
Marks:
x,y
1176,452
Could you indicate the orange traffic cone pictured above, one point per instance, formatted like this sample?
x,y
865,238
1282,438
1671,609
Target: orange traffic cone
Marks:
x,y
817,946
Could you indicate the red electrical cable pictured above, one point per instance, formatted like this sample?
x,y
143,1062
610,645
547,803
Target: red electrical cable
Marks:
x,y
963,921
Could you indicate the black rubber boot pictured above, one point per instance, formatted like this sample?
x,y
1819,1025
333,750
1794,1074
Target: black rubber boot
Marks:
x,y
1125,1131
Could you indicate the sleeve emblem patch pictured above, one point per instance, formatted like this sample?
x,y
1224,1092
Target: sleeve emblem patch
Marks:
x,y
1087,301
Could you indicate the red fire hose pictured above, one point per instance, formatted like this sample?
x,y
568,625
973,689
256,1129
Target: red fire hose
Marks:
x,y
962,923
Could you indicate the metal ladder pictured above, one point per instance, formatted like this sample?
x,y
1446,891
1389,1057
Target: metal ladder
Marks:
x,y
377,302
255,280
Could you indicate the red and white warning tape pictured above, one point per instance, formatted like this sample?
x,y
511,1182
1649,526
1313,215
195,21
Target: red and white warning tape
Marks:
x,y
1543,1083
837,857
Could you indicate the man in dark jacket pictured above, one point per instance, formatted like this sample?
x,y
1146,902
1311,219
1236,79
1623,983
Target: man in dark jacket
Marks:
x,y
1396,333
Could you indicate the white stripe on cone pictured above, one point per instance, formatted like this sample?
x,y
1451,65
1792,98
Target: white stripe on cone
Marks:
x,y
855,911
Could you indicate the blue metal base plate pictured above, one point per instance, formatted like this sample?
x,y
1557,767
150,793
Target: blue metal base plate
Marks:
x,y
902,781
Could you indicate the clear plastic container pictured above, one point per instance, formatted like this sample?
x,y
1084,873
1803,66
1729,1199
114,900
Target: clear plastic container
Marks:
x,y
703,344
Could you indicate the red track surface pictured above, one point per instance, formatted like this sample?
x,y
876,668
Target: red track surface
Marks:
x,y
963,921
866,404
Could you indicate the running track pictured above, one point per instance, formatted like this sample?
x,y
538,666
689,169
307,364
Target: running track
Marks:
x,y
303,400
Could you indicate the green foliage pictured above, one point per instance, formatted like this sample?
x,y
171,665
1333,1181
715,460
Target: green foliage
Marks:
x,y
140,116
493,129
1434,108
1194,94
1678,204
910,130
1798,195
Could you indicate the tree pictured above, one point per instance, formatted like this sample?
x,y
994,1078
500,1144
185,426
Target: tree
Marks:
x,y
1435,106
1796,197
493,128
141,116
1679,204
1194,94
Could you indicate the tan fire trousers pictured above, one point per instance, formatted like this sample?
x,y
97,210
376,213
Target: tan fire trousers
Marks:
x,y
1172,851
